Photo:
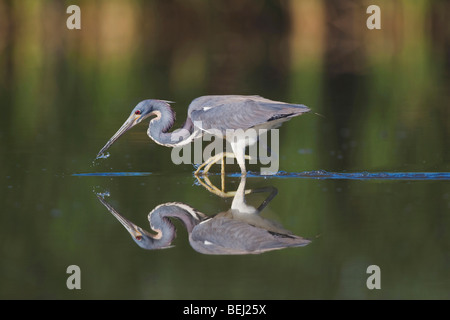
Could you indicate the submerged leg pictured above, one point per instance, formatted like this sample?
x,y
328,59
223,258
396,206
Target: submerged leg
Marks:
x,y
213,189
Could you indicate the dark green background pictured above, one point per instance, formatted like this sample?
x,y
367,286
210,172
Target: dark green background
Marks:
x,y
383,97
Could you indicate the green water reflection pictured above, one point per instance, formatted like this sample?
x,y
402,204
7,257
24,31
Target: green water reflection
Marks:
x,y
382,94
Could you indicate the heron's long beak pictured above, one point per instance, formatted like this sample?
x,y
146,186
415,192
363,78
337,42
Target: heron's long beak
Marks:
x,y
130,226
131,122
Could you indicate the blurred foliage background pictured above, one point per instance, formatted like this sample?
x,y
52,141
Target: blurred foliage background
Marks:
x,y
383,97
376,89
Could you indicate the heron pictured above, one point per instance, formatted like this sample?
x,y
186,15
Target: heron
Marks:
x,y
215,114
240,230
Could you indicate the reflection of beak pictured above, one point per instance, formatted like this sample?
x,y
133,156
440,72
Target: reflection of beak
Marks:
x,y
130,226
130,123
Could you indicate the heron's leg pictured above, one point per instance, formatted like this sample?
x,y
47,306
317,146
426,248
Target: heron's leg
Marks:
x,y
216,158
221,156
222,174
239,152
200,167
205,164
213,189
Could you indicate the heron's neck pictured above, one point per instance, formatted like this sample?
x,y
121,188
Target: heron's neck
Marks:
x,y
164,228
159,127
159,217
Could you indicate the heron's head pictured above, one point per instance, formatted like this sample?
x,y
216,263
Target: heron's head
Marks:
x,y
142,238
143,110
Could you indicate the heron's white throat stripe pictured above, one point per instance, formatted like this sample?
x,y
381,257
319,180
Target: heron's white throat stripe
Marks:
x,y
192,211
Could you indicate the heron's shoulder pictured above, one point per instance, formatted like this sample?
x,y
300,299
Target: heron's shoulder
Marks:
x,y
212,101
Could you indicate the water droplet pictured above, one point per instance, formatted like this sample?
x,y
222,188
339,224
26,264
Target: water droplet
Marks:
x,y
103,194
103,156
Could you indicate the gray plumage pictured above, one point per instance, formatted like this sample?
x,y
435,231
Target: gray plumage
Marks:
x,y
241,112
224,235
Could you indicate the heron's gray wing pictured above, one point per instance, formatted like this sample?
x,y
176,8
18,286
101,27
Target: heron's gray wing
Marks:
x,y
241,112
231,236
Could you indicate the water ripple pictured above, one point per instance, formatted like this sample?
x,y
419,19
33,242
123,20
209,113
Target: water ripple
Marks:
x,y
322,174
318,174
112,174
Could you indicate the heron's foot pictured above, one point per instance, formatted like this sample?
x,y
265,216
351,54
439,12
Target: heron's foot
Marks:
x,y
197,172
219,157
216,158
208,163
215,190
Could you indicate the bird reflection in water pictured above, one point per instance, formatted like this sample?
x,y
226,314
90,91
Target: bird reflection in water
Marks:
x,y
240,230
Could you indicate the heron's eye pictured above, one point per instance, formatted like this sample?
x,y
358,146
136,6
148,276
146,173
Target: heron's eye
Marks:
x,y
138,238
137,112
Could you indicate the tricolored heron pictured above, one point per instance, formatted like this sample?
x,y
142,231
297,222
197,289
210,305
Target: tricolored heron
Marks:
x,y
211,114
240,230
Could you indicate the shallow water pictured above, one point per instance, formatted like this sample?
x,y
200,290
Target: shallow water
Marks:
x,y
367,183
352,224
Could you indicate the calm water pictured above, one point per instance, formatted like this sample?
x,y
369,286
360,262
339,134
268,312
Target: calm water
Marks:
x,y
367,182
